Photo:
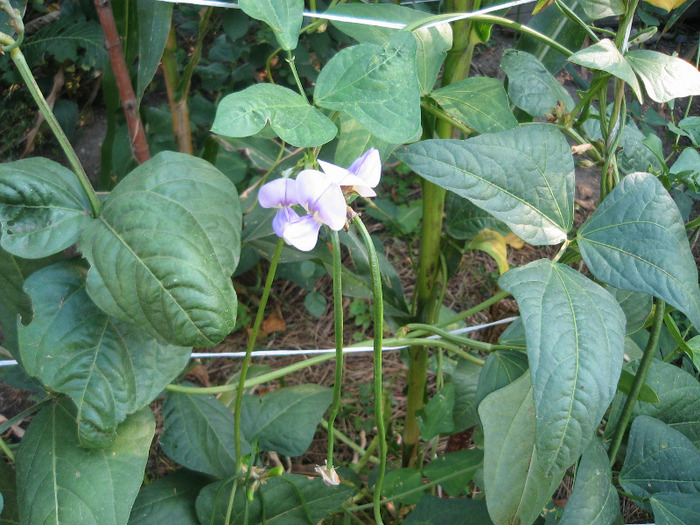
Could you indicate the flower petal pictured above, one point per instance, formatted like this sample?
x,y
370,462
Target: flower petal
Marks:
x,y
302,233
282,219
340,176
322,198
279,192
368,168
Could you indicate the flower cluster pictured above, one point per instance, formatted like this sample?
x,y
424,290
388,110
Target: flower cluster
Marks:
x,y
321,195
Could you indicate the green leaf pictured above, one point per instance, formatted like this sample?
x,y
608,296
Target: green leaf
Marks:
x,y
290,499
108,368
9,513
43,209
636,305
464,463
464,220
375,85
597,9
398,481
14,301
465,378
500,369
690,126
575,344
594,500
479,102
646,394
432,510
537,205
285,420
678,393
517,488
436,416
198,433
606,57
530,86
659,459
162,252
283,16
154,19
170,499
636,240
60,482
289,114
433,42
664,77
673,508
315,304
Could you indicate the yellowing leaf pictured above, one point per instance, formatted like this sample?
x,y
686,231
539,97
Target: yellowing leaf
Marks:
x,y
494,244
668,5
514,241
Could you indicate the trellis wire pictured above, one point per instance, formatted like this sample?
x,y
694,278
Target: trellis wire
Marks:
x,y
366,21
348,350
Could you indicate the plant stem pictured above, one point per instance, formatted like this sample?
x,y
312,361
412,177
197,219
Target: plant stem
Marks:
x,y
639,379
251,344
4,448
121,74
345,439
178,104
475,309
378,380
293,67
338,317
443,115
26,73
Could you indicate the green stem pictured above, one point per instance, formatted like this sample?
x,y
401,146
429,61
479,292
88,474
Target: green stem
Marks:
x,y
444,116
454,339
4,427
378,383
639,379
25,71
293,67
571,15
4,448
338,315
251,344
475,309
345,439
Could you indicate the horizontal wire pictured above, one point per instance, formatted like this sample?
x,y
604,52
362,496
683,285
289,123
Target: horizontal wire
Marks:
x,y
347,350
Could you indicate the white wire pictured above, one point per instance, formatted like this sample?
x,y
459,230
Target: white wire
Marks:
x,y
348,350
366,21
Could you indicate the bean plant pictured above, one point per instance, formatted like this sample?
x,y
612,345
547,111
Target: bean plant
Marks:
x,y
593,387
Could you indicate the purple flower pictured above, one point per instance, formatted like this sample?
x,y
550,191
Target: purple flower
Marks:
x,y
362,175
322,199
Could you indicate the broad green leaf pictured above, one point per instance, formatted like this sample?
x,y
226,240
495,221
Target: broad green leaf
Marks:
x,y
659,459
597,9
433,43
154,19
42,207
636,305
530,86
375,85
679,399
636,240
690,126
686,168
163,250
108,368
289,114
624,385
664,77
354,139
465,378
432,510
594,500
9,513
673,508
478,102
398,481
21,5
514,334
14,302
575,344
170,499
285,420
59,482
500,369
436,416
464,220
198,433
283,16
517,488
290,499
457,469
606,57
537,204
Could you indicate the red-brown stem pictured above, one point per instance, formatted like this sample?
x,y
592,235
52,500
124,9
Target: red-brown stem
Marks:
x,y
121,75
